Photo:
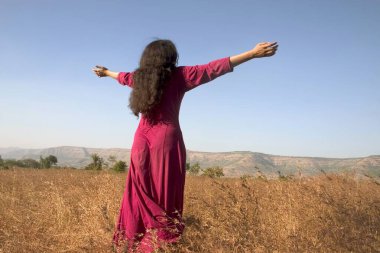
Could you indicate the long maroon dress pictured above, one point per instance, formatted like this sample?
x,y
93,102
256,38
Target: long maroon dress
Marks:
x,y
152,204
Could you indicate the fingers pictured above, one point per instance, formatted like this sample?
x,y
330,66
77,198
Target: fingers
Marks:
x,y
274,48
101,67
269,48
265,49
268,44
272,44
270,51
99,70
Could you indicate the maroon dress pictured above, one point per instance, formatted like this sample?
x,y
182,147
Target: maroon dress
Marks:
x,y
152,204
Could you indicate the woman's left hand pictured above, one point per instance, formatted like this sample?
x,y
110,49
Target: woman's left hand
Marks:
x,y
100,71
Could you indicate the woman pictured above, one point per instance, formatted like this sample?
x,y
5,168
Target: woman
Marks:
x,y
151,209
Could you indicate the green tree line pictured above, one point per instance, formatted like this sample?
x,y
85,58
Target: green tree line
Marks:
x,y
43,163
213,172
98,163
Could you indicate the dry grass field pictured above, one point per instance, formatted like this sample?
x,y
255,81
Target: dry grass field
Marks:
x,y
66,210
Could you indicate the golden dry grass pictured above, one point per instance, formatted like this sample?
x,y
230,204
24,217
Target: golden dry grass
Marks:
x,y
74,211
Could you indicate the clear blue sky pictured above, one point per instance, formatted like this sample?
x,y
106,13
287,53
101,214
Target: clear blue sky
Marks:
x,y
319,96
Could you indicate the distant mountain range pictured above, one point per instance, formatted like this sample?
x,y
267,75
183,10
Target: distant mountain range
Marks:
x,y
234,163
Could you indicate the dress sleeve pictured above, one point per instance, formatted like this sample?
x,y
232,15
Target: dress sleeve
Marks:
x,y
200,74
125,78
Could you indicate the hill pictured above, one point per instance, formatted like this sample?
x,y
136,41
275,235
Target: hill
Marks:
x,y
235,164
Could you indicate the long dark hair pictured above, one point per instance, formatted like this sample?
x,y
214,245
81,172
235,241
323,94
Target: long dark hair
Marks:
x,y
157,61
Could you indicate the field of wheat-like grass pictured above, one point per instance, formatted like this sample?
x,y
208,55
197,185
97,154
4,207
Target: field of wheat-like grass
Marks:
x,y
67,210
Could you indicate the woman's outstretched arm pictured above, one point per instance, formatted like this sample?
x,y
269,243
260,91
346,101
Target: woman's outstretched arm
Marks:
x,y
101,71
264,49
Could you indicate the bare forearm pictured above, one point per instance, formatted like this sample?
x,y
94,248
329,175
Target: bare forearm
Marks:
x,y
111,74
241,58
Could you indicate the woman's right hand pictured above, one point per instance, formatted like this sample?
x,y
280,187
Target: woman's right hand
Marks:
x,y
264,49
100,71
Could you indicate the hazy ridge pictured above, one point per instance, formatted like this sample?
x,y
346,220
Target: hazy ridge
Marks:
x,y
234,163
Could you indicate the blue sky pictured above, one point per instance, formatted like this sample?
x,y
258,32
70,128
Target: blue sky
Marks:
x,y
319,96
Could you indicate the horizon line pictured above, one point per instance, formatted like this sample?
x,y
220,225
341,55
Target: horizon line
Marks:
x,y
189,150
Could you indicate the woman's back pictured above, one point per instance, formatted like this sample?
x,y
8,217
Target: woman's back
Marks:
x,y
183,79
